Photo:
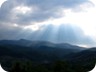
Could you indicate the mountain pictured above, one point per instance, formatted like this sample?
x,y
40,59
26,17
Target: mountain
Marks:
x,y
36,50
28,43
78,58
21,42
88,54
85,59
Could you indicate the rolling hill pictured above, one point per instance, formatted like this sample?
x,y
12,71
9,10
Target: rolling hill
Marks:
x,y
46,52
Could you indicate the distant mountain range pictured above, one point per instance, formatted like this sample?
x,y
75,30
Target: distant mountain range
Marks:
x,y
36,49
40,51
27,43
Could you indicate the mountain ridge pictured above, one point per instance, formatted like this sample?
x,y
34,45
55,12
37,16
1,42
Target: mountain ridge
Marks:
x,y
42,52
28,43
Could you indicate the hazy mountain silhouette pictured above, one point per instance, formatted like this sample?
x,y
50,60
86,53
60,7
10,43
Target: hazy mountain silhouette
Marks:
x,y
36,49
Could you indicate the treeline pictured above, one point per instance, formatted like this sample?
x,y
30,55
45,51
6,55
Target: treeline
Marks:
x,y
58,66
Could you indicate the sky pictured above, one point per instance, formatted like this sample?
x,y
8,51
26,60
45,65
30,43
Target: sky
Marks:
x,y
58,21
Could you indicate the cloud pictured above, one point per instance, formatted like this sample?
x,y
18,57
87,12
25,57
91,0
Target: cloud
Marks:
x,y
65,33
16,15
1,2
26,12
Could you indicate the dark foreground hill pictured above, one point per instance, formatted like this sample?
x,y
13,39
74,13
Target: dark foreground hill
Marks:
x,y
38,56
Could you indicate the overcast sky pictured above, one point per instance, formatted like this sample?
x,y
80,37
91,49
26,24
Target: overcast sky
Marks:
x,y
63,21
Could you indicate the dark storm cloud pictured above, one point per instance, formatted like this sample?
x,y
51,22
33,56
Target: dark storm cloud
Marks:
x,y
45,9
